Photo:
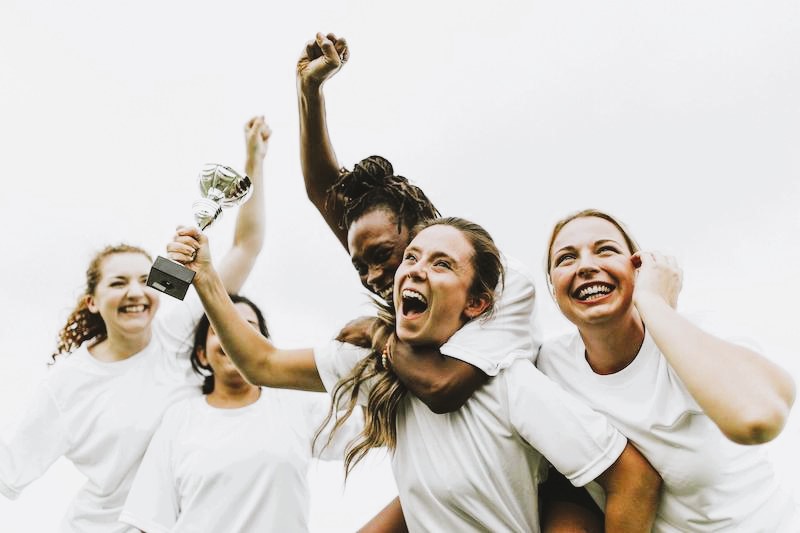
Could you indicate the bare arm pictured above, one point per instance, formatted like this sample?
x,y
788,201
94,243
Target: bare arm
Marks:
x,y
321,59
261,362
441,382
248,237
747,396
632,489
389,520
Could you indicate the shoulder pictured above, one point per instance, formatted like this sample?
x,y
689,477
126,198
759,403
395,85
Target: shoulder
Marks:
x,y
518,280
558,349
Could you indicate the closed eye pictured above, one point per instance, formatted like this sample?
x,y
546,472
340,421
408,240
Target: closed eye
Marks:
x,y
409,258
608,248
442,263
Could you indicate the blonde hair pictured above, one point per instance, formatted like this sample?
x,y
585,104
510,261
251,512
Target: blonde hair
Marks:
x,y
633,246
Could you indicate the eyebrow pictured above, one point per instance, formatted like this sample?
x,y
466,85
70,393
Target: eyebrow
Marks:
x,y
435,255
595,243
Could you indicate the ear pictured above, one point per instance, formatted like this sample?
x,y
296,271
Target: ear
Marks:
x,y
476,305
201,356
90,305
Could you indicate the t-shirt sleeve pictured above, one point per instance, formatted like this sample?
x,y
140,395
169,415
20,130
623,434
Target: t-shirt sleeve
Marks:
x,y
509,334
579,442
335,360
153,504
178,325
37,441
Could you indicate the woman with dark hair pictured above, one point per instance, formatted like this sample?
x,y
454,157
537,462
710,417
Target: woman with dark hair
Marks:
x,y
117,368
258,440
688,399
476,469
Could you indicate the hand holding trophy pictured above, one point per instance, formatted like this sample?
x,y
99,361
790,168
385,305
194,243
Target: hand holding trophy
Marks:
x,y
220,187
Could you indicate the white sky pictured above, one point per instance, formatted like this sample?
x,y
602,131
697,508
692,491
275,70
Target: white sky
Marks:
x,y
680,117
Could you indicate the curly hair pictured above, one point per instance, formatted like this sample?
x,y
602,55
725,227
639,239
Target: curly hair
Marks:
x,y
82,324
387,392
201,334
372,185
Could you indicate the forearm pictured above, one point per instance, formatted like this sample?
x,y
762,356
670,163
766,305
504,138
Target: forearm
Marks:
x,y
317,157
633,492
248,236
255,356
389,520
747,396
442,383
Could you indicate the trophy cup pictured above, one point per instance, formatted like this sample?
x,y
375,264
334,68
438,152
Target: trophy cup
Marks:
x,y
220,187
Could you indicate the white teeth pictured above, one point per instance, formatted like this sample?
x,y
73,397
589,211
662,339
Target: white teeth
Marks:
x,y
410,293
593,290
133,308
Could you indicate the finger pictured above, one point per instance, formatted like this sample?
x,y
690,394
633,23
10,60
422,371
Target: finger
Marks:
x,y
191,231
311,50
332,37
328,50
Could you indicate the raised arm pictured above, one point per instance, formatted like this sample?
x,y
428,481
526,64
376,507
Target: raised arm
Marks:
x,y
633,490
389,520
261,362
747,396
322,58
248,237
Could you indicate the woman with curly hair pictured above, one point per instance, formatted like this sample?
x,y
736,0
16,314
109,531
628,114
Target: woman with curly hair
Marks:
x,y
117,368
478,468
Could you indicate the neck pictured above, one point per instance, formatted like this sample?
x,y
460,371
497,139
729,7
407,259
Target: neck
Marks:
x,y
229,396
118,347
610,347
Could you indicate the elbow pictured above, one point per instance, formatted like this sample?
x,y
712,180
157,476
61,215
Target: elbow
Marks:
x,y
441,399
759,426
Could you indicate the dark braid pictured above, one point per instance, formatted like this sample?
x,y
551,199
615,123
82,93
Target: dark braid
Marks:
x,y
371,185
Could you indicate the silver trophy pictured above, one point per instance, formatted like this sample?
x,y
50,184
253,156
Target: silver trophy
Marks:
x,y
220,187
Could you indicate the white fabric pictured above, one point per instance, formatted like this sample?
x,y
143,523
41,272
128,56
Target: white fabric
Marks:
x,y
509,334
232,470
478,468
710,483
101,417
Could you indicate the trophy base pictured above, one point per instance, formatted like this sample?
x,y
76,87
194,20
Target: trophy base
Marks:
x,y
170,277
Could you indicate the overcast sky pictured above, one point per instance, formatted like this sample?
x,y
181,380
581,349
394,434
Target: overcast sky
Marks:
x,y
680,117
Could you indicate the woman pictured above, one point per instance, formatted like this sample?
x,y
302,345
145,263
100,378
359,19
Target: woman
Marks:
x,y
687,399
100,405
476,469
371,211
258,440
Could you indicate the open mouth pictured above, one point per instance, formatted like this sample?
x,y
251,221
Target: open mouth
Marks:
x,y
413,304
386,293
592,291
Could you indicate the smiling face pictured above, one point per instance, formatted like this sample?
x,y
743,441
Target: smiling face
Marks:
x,y
122,298
376,249
212,355
591,271
431,289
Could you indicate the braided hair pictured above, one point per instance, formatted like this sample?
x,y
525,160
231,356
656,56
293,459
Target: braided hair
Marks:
x,y
372,185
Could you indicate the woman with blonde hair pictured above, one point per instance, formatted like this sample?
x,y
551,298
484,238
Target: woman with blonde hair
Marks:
x,y
693,403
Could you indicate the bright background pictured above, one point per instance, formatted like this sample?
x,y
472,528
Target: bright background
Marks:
x,y
680,117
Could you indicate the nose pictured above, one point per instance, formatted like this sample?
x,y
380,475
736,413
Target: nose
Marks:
x,y
416,271
374,276
587,266
136,289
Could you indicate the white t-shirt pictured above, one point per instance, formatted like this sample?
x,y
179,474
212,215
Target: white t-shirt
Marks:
x,y
101,416
710,483
509,334
233,470
478,468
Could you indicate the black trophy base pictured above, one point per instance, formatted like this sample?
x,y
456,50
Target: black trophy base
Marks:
x,y
170,277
